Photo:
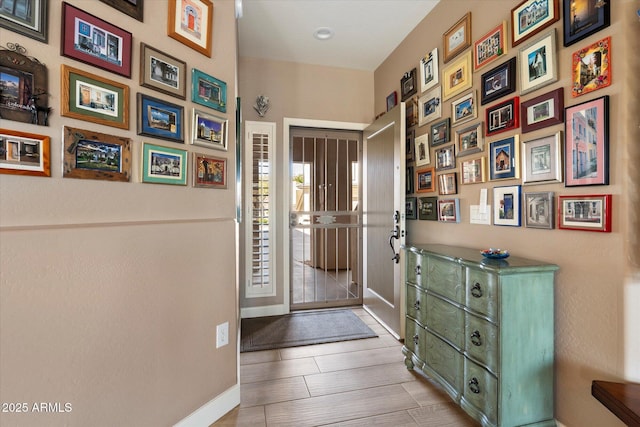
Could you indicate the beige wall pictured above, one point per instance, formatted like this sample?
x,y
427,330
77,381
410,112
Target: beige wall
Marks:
x,y
110,292
595,268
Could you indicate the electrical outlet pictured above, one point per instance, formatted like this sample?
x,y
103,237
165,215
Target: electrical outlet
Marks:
x,y
222,334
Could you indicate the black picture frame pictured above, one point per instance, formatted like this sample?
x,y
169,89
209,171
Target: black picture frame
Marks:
x,y
408,84
134,10
428,208
35,26
498,82
578,24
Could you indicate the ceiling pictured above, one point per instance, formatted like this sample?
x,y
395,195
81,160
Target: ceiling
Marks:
x,y
365,31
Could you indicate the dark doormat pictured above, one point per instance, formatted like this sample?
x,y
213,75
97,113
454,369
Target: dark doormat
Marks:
x,y
302,328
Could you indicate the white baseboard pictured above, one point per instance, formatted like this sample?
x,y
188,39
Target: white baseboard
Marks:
x,y
269,310
213,410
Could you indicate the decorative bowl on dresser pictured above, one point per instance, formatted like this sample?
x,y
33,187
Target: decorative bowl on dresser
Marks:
x,y
484,330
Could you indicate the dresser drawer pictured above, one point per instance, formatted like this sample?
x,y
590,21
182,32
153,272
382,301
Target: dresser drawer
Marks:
x,y
412,264
445,278
446,319
481,341
416,303
481,390
482,292
445,360
415,339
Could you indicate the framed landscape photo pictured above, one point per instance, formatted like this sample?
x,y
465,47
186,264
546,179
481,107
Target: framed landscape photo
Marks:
x,y
429,74
473,171
428,208
425,180
542,160
133,8
23,153
503,116
469,140
160,119
581,19
503,159
93,98
209,130
538,63
449,210
89,39
585,212
162,72
93,155
539,210
498,82
191,23
163,165
591,67
392,100
542,111
532,16
506,205
441,132
422,150
429,106
411,207
457,38
586,128
29,18
448,183
209,171
464,109
408,85
445,158
208,91
457,77
490,47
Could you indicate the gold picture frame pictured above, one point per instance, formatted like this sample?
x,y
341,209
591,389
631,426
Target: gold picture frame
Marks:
x,y
191,23
457,77
457,38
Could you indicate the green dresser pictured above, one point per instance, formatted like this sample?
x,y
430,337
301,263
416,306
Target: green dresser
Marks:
x,y
483,329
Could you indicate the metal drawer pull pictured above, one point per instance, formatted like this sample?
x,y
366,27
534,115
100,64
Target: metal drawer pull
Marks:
x,y
476,290
415,339
416,305
476,339
474,386
418,270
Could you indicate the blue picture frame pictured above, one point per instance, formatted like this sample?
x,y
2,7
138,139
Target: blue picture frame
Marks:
x,y
504,159
208,91
160,119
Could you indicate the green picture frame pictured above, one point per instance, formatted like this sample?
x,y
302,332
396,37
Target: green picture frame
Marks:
x,y
163,165
208,91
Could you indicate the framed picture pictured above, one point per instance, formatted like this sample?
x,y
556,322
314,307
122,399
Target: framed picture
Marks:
x,y
411,112
506,205
490,47
93,155
538,63
425,180
586,149
542,111
473,171
408,86
208,91
191,23
133,8
441,132
457,77
162,72
532,16
392,100
23,153
411,207
428,208
429,70
422,150
539,210
409,142
591,67
163,165
503,158
457,38
464,109
160,119
409,187
429,106
585,212
542,160
89,39
31,21
24,89
448,183
93,98
209,171
209,130
469,140
581,19
498,82
445,158
449,210
503,116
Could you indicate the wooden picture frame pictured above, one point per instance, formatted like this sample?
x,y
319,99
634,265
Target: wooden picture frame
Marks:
x,y
411,112
429,106
95,99
209,171
581,19
591,67
532,16
585,212
422,150
490,47
469,140
209,131
411,207
457,38
163,165
408,85
542,111
208,91
473,171
507,205
134,9
425,180
498,82
392,100
586,150
94,155
410,135
428,208
162,72
539,210
160,119
503,116
445,158
441,132
32,22
191,23
23,153
464,109
91,40
429,70
542,160
17,70
449,210
448,183
504,157
457,77
538,63
409,184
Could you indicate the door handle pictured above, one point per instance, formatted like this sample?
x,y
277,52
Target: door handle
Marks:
x,y
395,234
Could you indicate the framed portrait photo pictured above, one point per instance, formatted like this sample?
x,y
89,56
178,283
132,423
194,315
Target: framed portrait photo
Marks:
x,y
445,158
422,150
409,187
591,67
498,82
539,210
429,106
457,76
473,171
29,18
503,116
208,91
532,16
408,85
538,63
409,143
411,207
163,165
392,100
425,180
23,153
542,160
209,131
490,47
411,112
209,171
448,183
160,119
585,212
469,140
133,8
191,23
428,208
581,19
503,159
162,72
429,74
542,111
441,132
506,205
464,109
449,210
457,38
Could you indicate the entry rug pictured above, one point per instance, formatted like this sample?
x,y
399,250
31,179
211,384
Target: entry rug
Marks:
x,y
302,328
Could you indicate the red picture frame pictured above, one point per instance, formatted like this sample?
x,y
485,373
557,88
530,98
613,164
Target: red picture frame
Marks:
x,y
490,47
542,111
503,116
591,67
584,212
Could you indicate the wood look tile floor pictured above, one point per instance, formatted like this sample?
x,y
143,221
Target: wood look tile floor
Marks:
x,y
351,383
